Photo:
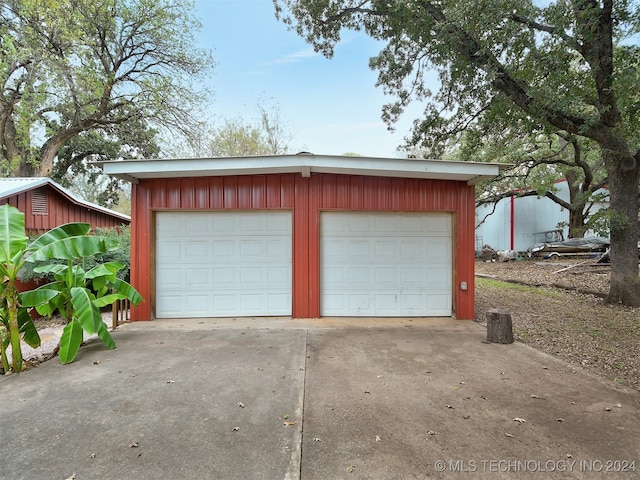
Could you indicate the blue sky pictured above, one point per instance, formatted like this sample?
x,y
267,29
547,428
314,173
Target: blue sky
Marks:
x,y
331,105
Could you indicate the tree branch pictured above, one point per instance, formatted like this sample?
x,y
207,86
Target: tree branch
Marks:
x,y
347,12
503,81
546,28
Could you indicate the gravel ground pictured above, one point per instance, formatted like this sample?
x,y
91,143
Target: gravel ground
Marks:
x,y
561,311
50,331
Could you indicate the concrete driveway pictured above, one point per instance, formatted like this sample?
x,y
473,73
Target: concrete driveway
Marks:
x,y
321,399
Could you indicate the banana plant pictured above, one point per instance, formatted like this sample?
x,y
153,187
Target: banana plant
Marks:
x,y
76,294
15,322
13,245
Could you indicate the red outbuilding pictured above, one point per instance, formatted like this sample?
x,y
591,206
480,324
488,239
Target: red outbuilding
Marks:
x,y
302,235
46,205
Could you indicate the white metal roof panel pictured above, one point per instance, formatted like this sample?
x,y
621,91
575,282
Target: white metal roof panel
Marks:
x,y
305,164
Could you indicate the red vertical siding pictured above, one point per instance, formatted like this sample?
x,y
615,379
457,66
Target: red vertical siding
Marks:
x,y
216,192
301,250
188,194
313,228
306,197
201,194
60,210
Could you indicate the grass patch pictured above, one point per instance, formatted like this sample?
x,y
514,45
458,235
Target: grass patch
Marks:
x,y
517,287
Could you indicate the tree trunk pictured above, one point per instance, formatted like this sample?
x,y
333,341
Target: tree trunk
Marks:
x,y
576,206
15,156
624,175
577,222
499,327
50,149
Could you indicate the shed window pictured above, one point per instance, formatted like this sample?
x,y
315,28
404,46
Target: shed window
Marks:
x,y
39,202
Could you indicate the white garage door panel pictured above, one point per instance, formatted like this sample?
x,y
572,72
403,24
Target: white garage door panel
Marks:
x,y
213,264
385,264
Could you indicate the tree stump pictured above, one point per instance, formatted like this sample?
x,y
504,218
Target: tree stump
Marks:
x,y
499,327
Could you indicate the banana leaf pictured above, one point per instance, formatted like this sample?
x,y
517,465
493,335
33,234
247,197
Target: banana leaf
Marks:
x,y
108,269
60,233
108,299
55,269
13,240
128,291
85,311
70,341
37,297
105,336
29,332
73,248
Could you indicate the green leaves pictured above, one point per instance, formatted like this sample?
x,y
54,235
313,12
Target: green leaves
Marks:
x,y
60,233
29,332
77,295
13,240
37,297
84,310
93,66
128,291
70,341
72,248
86,318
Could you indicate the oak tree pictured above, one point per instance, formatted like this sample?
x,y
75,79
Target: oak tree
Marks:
x,y
71,67
551,64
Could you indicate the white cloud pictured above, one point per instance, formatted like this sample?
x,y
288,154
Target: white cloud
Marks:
x,y
295,57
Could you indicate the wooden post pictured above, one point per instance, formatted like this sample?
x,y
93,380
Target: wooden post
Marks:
x,y
114,315
499,327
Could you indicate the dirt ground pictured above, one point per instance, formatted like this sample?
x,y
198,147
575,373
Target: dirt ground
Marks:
x,y
557,307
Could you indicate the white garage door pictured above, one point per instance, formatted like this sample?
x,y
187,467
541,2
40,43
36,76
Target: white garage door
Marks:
x,y
220,264
385,264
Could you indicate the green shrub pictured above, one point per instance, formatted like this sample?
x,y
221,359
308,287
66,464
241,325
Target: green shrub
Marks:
x,y
122,235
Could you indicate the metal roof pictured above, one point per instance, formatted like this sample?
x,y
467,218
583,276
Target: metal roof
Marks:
x,y
303,163
13,186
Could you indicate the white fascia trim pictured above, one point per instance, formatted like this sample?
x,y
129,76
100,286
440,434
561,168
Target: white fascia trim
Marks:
x,y
471,172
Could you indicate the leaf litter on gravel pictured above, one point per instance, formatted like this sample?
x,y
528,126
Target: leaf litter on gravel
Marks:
x,y
576,327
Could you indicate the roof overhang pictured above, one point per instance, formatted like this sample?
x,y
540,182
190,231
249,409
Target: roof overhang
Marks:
x,y
305,164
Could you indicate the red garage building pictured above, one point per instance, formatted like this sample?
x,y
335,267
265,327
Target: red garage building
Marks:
x,y
303,236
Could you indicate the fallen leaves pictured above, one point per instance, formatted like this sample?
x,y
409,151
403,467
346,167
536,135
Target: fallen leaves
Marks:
x,y
519,420
288,423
